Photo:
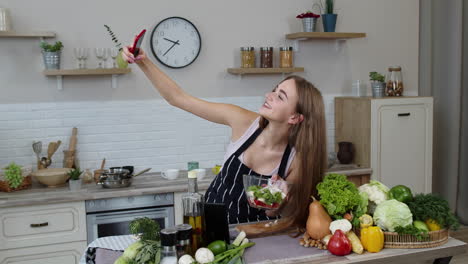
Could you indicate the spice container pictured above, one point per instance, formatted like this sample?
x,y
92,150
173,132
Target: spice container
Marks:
x,y
247,57
286,57
266,57
184,232
394,84
168,243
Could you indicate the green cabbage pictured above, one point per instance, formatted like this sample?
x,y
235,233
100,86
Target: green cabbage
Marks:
x,y
392,213
132,250
124,260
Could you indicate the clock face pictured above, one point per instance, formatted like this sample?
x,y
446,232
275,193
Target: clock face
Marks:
x,y
175,42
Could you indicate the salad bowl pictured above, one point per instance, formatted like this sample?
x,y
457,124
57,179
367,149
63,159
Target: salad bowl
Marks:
x,y
263,192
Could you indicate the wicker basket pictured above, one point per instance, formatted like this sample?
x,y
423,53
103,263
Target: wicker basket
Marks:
x,y
435,239
5,187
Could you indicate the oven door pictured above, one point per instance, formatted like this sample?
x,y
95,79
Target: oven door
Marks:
x,y
116,223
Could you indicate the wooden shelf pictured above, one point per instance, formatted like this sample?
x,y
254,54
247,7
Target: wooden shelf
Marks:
x,y
264,70
81,72
324,35
14,34
86,72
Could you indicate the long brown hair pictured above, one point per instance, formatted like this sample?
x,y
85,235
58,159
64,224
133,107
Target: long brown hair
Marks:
x,y
309,139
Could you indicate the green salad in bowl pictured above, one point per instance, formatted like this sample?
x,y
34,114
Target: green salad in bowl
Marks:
x,y
263,193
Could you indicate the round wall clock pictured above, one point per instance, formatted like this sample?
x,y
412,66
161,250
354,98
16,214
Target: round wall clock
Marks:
x,y
175,42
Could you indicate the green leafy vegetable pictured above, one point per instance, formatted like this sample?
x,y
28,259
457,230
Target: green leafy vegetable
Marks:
x,y
266,194
339,196
13,175
148,228
432,206
392,213
412,230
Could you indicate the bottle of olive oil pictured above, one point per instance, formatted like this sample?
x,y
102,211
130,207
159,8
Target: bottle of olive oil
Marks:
x,y
192,203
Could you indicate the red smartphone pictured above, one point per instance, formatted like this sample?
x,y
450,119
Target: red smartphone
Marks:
x,y
137,43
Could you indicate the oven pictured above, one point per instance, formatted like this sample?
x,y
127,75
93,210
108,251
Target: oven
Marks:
x,y
111,217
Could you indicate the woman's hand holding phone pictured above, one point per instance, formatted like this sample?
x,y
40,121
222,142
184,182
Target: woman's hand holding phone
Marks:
x,y
130,58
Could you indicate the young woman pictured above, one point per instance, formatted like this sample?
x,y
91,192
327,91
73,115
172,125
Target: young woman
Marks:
x,y
286,139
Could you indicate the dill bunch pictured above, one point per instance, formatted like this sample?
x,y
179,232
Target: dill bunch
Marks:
x,y
145,228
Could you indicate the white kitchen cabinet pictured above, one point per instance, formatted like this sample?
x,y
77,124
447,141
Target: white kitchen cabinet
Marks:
x,y
392,135
52,233
63,253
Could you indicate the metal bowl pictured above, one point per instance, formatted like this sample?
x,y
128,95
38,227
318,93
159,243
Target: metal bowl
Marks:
x,y
115,184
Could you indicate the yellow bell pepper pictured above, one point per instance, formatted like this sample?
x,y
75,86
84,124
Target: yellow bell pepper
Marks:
x,y
372,239
432,225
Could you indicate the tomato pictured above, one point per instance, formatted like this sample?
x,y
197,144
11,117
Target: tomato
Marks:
x,y
217,247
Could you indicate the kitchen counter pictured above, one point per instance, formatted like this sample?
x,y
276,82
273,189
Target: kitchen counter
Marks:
x,y
149,183
285,250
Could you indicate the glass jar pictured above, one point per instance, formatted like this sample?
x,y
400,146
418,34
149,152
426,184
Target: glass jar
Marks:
x,y
184,232
247,57
266,57
394,84
286,57
168,246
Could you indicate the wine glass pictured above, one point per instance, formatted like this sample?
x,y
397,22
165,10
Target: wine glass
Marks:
x,y
76,52
113,53
105,56
99,55
83,55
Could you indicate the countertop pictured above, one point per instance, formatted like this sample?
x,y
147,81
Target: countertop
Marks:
x,y
149,183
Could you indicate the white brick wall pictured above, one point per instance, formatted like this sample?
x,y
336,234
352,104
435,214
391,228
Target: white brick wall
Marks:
x,y
147,133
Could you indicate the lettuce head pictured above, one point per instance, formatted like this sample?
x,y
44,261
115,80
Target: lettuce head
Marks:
x,y
392,213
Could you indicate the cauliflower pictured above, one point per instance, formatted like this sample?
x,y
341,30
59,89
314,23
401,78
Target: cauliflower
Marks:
x,y
376,192
342,224
204,255
186,259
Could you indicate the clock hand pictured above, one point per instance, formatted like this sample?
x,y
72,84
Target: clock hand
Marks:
x,y
177,42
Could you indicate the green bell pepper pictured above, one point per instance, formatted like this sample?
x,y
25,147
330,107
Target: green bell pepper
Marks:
x,y
400,193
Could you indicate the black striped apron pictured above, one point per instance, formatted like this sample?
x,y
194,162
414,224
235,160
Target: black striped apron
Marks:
x,y
228,187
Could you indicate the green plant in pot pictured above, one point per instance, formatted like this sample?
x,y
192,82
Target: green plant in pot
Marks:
x,y
377,84
51,54
75,180
329,17
121,63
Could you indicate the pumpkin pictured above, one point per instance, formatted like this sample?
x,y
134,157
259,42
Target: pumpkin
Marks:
x,y
318,222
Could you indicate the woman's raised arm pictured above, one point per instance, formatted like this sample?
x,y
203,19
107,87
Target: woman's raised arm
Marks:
x,y
234,116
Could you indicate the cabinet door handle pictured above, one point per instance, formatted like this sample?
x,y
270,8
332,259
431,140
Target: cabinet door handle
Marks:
x,y
40,225
404,114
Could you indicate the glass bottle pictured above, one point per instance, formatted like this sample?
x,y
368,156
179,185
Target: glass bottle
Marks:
x,y
184,232
266,57
247,57
286,57
168,243
192,203
394,84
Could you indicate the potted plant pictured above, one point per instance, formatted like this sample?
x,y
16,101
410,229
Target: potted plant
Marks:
x,y
75,180
51,54
377,84
329,17
309,21
121,63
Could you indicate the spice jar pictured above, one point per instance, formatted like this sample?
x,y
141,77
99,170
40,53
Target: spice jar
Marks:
x,y
394,85
247,57
266,57
286,57
184,232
